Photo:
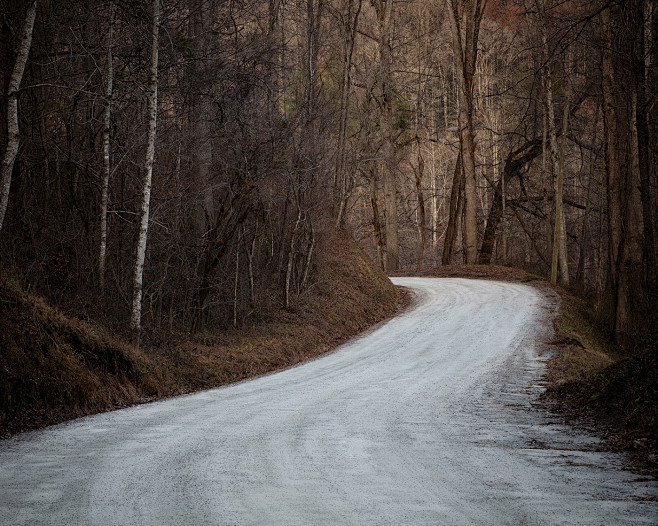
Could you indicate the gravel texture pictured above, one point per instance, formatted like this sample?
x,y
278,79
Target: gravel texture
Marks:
x,y
428,419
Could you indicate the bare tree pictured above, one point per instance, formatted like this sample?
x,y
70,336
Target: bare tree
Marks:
x,y
349,16
642,133
455,212
559,248
105,185
559,232
611,143
465,17
13,135
384,10
418,172
136,313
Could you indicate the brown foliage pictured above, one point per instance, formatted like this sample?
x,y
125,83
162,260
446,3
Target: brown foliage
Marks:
x,y
54,368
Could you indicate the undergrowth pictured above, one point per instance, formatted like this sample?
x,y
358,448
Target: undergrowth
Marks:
x,y
54,367
592,377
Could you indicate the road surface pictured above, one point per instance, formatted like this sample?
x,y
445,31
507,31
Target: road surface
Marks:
x,y
428,419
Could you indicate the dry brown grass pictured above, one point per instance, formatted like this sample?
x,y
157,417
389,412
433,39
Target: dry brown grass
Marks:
x,y
592,380
584,348
54,368
491,272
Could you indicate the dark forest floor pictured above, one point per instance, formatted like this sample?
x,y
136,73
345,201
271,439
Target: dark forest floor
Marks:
x,y
54,367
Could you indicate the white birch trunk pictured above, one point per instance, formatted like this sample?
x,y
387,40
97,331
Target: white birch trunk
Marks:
x,y
135,318
13,136
106,155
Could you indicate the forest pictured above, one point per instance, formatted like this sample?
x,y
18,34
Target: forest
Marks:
x,y
174,163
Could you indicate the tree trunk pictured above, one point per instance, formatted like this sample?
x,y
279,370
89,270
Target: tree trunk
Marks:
x,y
545,178
629,287
611,144
421,208
349,28
274,57
314,20
434,208
445,99
13,135
454,214
559,255
236,281
136,314
464,44
559,233
584,232
642,134
202,116
105,186
229,219
309,258
493,220
515,161
376,225
384,10
250,248
291,259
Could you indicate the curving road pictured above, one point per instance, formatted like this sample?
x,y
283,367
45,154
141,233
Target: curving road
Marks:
x,y
429,419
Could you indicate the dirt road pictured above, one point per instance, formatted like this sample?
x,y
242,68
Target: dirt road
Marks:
x,y
429,419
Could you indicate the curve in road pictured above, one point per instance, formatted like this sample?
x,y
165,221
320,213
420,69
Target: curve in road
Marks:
x,y
428,419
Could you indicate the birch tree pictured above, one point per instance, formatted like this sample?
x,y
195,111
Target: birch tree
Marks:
x,y
13,135
106,154
136,313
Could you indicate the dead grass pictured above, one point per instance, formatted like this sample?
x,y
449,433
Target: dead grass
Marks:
x,y
584,349
54,368
491,272
591,380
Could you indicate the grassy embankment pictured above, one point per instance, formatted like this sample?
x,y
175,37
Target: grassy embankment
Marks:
x,y
54,368
592,380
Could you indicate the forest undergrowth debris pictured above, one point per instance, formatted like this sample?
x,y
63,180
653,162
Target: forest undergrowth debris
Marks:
x,y
54,367
592,381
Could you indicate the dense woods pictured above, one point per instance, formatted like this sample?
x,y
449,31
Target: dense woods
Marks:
x,y
173,163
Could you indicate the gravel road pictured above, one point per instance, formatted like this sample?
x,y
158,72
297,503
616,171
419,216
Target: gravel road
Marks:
x,y
428,419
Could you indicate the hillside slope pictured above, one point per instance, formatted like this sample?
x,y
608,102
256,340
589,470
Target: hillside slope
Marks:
x,y
594,382
54,368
